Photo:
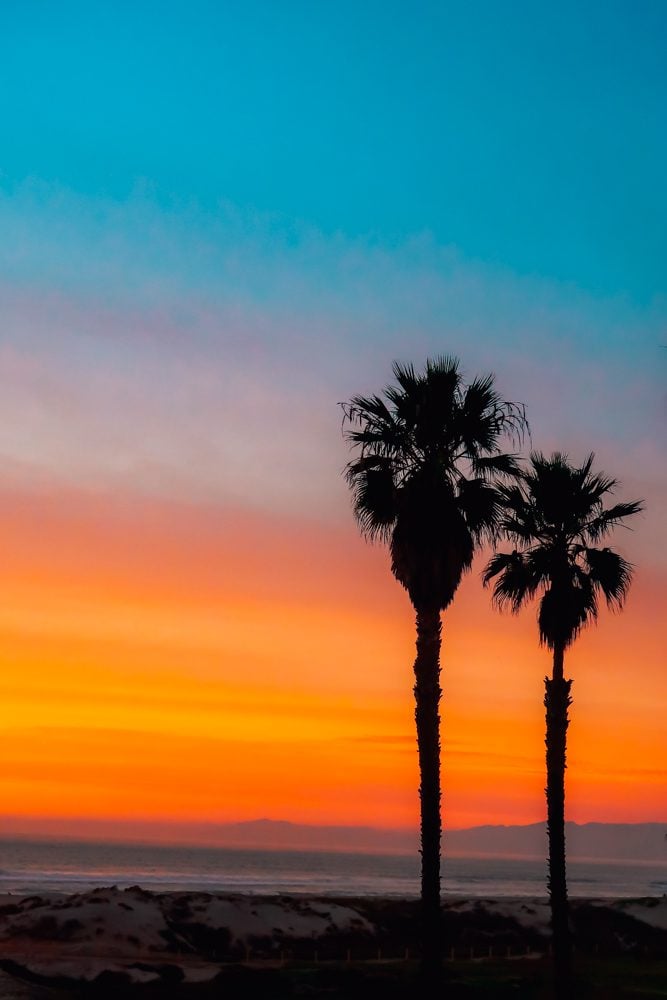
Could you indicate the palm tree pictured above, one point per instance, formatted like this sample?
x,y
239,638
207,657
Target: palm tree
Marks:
x,y
423,481
556,518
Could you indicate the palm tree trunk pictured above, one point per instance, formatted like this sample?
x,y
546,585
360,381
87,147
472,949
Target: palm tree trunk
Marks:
x,y
427,700
556,701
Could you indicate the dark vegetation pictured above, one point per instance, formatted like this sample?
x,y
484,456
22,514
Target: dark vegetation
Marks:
x,y
600,978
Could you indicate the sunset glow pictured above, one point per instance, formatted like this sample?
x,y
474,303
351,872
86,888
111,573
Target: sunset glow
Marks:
x,y
155,669
210,235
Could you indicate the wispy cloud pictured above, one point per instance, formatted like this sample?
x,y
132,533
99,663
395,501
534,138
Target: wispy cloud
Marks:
x,y
176,352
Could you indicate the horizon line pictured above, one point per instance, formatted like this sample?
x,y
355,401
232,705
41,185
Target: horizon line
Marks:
x,y
118,827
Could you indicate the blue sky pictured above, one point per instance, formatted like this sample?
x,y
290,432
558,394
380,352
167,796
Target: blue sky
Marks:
x,y
527,135
219,220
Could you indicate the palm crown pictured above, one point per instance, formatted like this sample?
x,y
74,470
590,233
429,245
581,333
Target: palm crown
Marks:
x,y
554,514
425,476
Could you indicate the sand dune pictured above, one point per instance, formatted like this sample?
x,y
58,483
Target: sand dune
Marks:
x,y
134,936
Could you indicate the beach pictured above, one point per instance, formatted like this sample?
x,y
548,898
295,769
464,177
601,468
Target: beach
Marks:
x,y
189,921
183,942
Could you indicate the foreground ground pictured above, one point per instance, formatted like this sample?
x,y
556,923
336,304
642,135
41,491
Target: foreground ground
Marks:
x,y
598,979
111,942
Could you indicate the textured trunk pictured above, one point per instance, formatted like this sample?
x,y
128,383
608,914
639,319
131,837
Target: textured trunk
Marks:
x,y
427,700
556,701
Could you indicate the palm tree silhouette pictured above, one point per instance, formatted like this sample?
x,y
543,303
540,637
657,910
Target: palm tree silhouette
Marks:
x,y
554,514
424,482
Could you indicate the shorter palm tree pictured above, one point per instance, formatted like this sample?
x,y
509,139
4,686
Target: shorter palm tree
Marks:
x,y
555,516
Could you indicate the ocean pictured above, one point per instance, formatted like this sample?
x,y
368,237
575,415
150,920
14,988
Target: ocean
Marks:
x,y
28,867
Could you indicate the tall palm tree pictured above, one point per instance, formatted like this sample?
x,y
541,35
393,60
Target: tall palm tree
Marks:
x,y
556,518
423,481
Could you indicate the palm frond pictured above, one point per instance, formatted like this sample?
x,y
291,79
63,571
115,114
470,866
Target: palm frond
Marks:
x,y
373,496
480,504
515,583
429,462
600,525
406,377
443,365
552,513
610,573
503,465
564,610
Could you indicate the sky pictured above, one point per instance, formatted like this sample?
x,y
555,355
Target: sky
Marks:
x,y
217,222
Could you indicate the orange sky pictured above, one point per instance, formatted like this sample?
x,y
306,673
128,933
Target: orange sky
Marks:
x,y
173,662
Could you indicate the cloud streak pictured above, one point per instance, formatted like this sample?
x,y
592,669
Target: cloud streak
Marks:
x,y
178,353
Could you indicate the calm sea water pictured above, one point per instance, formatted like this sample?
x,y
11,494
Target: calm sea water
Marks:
x,y
31,867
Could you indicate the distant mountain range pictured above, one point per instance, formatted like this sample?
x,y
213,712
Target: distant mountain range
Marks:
x,y
621,841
